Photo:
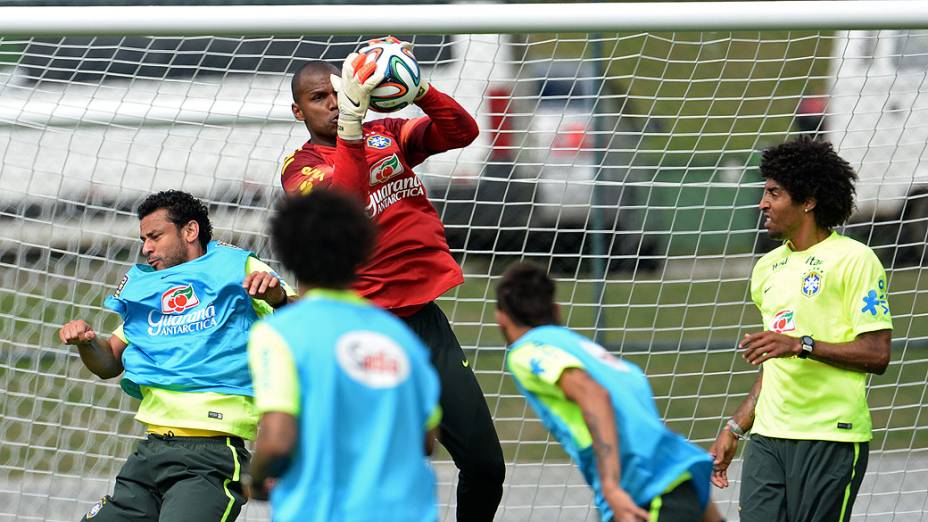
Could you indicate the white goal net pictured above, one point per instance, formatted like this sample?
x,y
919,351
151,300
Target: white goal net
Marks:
x,y
625,162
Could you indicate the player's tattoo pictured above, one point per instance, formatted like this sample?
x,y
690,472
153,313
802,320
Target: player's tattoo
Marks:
x,y
744,415
602,448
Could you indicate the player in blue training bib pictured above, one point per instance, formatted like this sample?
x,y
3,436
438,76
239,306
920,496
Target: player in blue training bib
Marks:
x,y
347,396
181,351
601,409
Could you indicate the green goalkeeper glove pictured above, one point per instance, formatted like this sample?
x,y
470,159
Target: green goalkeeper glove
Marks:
x,y
359,77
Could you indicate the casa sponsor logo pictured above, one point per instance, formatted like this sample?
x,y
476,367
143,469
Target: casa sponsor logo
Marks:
x,y
604,356
391,192
783,321
377,141
386,169
373,359
178,299
812,283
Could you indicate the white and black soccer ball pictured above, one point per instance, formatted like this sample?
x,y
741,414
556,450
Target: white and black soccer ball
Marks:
x,y
401,75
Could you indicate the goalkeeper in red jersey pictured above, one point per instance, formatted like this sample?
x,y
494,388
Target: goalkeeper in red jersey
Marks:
x,y
411,265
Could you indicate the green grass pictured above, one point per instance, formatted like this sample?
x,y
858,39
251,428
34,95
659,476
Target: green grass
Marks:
x,y
683,335
57,416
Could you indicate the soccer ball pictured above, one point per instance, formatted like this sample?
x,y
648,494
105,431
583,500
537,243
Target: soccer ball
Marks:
x,y
401,75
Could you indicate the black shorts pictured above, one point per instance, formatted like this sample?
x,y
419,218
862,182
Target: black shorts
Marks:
x,y
808,480
466,428
681,504
181,479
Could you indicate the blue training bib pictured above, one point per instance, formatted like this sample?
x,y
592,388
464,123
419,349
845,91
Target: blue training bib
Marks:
x,y
187,325
652,456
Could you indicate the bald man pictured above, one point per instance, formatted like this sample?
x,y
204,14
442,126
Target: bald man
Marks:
x,y
411,264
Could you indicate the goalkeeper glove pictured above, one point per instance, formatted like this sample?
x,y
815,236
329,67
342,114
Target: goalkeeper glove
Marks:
x,y
424,88
359,77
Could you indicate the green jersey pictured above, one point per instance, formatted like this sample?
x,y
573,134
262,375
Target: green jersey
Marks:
x,y
833,292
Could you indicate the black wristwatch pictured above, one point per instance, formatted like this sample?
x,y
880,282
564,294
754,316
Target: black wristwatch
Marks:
x,y
808,344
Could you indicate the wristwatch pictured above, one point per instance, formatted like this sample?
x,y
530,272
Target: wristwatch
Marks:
x,y
808,344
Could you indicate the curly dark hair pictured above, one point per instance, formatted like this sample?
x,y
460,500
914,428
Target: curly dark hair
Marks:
x,y
182,209
322,237
526,294
809,168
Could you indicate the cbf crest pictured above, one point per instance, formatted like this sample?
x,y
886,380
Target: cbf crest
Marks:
x,y
812,283
378,142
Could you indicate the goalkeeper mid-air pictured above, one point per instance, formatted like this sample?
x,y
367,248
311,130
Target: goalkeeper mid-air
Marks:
x,y
411,264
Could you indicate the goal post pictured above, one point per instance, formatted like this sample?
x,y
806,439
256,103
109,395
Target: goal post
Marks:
x,y
619,148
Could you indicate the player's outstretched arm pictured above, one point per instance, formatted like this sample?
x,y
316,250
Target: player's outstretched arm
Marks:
x,y
451,126
276,439
726,443
596,406
100,356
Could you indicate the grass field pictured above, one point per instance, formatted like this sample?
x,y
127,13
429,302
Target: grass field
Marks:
x,y
683,335
57,416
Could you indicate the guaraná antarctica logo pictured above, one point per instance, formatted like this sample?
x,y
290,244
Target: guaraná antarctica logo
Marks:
x,y
178,299
174,317
386,169
390,193
372,359
783,321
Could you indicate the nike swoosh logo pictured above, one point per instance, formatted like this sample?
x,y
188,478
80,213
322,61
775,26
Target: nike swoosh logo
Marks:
x,y
355,103
465,363
767,289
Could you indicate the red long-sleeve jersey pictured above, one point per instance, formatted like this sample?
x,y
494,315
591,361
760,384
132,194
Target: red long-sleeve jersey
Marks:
x,y
411,264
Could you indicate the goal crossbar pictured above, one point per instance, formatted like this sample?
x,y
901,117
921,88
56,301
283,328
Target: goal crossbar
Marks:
x,y
462,18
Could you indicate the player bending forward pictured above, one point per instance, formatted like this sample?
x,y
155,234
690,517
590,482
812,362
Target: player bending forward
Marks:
x,y
601,409
411,264
182,352
348,398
